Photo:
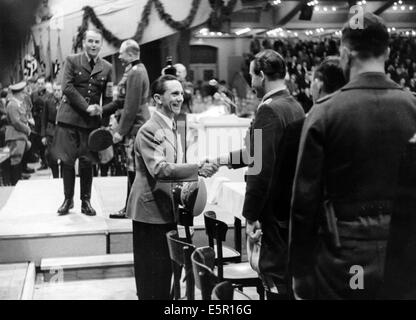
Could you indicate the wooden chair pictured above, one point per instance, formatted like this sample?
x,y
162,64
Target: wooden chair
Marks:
x,y
228,254
226,291
203,263
240,273
180,255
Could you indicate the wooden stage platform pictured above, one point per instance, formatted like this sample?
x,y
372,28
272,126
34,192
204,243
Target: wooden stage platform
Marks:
x,y
31,230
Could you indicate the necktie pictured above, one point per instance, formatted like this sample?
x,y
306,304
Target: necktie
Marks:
x,y
92,64
175,136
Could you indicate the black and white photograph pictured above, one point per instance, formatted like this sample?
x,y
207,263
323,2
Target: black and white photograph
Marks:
x,y
207,150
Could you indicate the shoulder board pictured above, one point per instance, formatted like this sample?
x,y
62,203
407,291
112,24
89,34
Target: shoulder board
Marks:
x,y
326,98
268,101
134,68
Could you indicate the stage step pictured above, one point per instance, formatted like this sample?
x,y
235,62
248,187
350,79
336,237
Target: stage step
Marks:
x,y
17,281
107,260
88,267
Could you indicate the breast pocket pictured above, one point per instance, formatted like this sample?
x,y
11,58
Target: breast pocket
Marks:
x,y
80,75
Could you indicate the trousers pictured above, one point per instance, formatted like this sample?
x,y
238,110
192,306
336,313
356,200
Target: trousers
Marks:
x,y
152,265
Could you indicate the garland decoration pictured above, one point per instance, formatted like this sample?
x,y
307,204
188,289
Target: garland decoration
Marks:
x,y
178,25
90,15
220,13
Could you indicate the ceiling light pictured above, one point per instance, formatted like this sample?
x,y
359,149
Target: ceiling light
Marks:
x,y
334,9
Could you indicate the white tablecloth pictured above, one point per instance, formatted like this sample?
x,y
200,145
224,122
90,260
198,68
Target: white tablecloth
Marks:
x,y
231,197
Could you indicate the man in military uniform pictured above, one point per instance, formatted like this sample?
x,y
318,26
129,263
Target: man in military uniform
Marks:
x,y
347,171
133,92
38,98
277,110
17,130
84,84
48,125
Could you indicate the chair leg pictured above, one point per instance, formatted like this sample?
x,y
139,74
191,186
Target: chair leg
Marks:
x,y
176,287
260,291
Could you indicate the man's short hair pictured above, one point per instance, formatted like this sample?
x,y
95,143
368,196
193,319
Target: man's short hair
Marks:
x,y
158,86
370,40
331,74
84,36
131,46
271,63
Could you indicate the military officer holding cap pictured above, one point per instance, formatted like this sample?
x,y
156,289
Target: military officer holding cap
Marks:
x,y
85,80
131,102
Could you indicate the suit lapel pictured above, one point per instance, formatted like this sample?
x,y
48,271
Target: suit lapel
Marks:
x,y
84,62
168,132
98,67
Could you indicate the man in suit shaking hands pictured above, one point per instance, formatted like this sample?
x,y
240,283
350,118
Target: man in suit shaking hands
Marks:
x,y
158,156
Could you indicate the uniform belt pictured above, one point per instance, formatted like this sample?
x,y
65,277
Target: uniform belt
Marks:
x,y
348,211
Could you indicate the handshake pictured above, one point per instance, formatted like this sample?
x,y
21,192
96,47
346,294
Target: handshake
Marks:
x,y
209,167
95,110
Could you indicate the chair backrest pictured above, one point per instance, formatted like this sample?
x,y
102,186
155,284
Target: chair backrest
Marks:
x,y
203,262
225,291
216,230
180,253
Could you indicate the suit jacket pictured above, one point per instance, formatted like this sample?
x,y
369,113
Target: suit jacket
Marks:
x,y
133,92
151,197
49,116
349,154
83,87
38,101
277,111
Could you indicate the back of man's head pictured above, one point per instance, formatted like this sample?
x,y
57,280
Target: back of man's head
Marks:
x,y
331,75
369,37
271,63
132,47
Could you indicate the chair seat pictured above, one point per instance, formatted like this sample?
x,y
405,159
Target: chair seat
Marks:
x,y
228,253
238,295
238,271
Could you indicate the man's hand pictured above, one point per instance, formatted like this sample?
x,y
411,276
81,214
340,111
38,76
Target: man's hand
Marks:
x,y
117,137
31,122
44,141
253,230
223,160
94,110
207,169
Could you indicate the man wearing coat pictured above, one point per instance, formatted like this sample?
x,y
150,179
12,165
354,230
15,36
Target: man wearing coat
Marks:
x,y
48,125
150,204
277,110
17,130
84,84
131,108
347,171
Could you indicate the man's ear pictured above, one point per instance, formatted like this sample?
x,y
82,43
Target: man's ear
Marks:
x,y
157,97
